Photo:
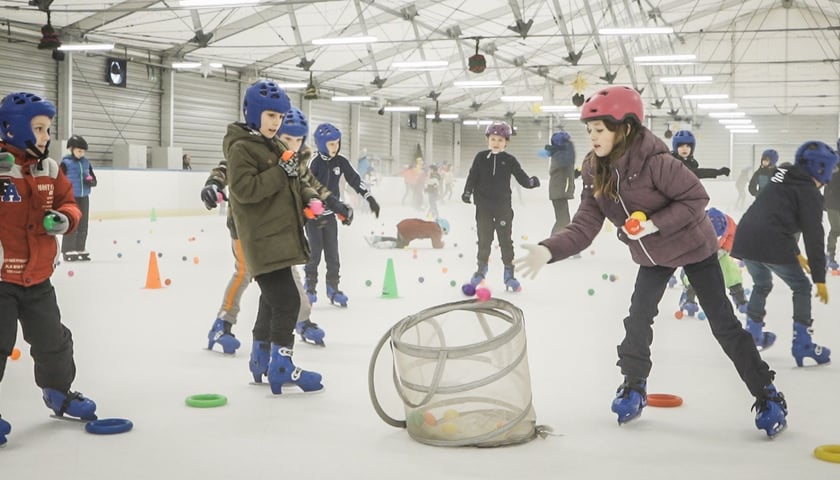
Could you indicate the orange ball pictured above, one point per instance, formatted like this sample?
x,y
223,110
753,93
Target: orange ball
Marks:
x,y
678,314
15,354
429,419
196,260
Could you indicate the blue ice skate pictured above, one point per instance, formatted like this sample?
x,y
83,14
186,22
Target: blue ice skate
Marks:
x,y
220,333
260,355
831,262
770,411
72,404
5,429
511,283
309,287
336,296
479,274
739,297
689,307
804,347
310,332
763,340
630,399
281,371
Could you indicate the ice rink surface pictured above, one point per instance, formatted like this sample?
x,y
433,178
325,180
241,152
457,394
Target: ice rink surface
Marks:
x,y
140,353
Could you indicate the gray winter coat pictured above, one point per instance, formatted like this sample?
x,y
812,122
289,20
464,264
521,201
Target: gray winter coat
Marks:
x,y
653,181
561,183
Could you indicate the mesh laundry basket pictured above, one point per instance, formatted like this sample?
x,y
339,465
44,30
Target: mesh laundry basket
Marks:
x,y
461,371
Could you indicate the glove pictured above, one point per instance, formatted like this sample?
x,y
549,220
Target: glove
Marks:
x,y
723,171
645,228
90,181
374,207
465,197
803,262
577,173
55,222
344,212
7,161
212,196
822,293
534,182
530,265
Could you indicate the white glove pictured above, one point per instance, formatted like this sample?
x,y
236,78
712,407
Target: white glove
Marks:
x,y
530,265
647,227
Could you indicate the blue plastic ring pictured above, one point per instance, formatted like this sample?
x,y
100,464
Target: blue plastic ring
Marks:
x,y
109,426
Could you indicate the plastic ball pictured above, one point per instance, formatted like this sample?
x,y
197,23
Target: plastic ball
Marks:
x,y
452,283
590,292
119,255
160,255
525,237
15,354
460,255
429,419
605,276
592,252
415,418
71,273
421,279
184,258
701,316
440,260
613,278
679,314
455,245
451,414
483,294
138,242
468,289
835,273
167,282
414,256
449,428
196,260
368,283
639,215
115,242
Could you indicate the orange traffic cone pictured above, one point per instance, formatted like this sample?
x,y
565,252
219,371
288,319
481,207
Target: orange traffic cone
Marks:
x,y
153,274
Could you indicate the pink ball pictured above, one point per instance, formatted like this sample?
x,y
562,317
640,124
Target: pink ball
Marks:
x,y
71,273
483,294
220,198
316,206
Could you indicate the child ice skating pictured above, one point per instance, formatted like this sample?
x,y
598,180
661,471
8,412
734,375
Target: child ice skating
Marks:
x,y
78,170
684,144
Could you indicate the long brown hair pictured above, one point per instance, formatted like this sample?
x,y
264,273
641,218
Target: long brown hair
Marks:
x,y
605,183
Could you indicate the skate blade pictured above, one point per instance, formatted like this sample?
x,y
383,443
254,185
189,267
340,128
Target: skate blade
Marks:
x,y
777,432
813,365
290,390
72,419
220,352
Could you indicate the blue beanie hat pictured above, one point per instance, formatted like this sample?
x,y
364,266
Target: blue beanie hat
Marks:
x,y
772,155
719,220
818,159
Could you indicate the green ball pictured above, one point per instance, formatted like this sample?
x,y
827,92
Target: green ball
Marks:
x,y
368,283
452,283
591,291
605,276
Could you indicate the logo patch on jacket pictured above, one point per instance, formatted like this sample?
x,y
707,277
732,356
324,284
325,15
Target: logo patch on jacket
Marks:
x,y
336,171
10,192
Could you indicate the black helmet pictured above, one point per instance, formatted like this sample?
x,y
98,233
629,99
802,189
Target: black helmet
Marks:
x,y
77,141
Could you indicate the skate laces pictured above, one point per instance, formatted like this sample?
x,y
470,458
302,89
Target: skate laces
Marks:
x,y
68,399
307,324
631,386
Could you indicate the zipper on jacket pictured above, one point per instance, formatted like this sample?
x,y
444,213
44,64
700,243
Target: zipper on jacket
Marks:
x,y
627,212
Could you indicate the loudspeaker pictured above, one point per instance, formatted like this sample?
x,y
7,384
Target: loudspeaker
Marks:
x,y
412,121
116,72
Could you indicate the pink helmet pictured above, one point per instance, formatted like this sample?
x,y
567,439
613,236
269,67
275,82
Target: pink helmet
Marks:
x,y
501,129
614,103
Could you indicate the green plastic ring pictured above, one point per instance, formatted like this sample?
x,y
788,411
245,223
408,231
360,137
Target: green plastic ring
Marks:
x,y
206,400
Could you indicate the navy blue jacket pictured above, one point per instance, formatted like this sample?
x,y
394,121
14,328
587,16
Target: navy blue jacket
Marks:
x,y
789,204
328,171
561,171
832,192
489,178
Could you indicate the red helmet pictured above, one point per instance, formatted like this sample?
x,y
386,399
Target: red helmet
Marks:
x,y
614,103
501,129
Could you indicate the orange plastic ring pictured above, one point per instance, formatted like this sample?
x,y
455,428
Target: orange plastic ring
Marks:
x,y
665,400
829,453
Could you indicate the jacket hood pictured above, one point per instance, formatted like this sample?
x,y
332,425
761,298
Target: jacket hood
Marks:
x,y
795,175
239,132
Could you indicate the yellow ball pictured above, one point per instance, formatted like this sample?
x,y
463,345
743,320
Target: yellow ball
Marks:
x,y
449,428
640,216
451,414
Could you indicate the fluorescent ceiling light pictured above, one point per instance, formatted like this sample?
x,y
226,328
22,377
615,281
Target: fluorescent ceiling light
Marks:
x,y
735,121
716,106
743,131
351,98
688,79
430,64
83,47
443,116
291,85
635,31
678,59
558,108
343,40
217,3
727,114
478,122
571,115
478,83
405,108
522,98
747,126
186,65
706,96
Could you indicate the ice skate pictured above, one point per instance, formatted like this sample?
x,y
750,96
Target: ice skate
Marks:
x,y
336,296
83,256
309,287
310,332
5,429
630,399
479,274
260,355
220,334
282,371
72,404
770,412
763,340
511,283
739,297
71,256
687,303
803,346
831,262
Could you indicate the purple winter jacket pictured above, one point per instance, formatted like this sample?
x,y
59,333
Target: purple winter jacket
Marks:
x,y
653,181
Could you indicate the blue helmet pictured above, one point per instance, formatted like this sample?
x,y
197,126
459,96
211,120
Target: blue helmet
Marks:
x,y
294,124
260,96
771,155
560,138
683,137
719,220
326,132
444,225
16,113
818,159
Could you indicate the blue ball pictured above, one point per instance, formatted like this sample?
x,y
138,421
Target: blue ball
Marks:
x,y
701,316
468,289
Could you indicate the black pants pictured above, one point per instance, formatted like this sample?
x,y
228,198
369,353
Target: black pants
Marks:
x,y
75,242
279,308
561,214
707,279
500,221
51,343
323,238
